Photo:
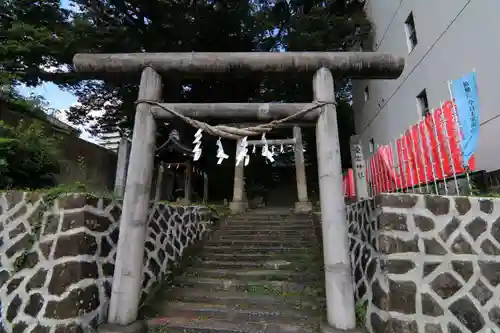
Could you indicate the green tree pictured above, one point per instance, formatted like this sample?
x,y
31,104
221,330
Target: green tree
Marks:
x,y
34,106
34,38
29,157
181,26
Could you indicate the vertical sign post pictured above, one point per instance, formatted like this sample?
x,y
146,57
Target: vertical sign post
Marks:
x,y
358,164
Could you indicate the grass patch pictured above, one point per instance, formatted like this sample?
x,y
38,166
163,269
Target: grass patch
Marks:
x,y
160,329
361,313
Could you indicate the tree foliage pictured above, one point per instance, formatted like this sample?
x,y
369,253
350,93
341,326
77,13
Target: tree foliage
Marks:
x,y
35,106
35,35
29,156
41,34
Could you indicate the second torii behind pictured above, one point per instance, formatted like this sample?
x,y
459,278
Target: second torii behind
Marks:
x,y
303,205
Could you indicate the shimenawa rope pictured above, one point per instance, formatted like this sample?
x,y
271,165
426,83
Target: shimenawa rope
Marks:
x,y
229,132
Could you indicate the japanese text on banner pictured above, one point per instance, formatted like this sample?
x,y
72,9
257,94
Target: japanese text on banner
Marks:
x,y
465,93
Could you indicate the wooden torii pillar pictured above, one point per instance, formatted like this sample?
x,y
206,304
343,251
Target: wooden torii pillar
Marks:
x,y
239,203
121,167
303,205
127,276
205,188
159,182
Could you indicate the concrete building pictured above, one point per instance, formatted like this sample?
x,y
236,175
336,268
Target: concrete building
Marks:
x,y
442,40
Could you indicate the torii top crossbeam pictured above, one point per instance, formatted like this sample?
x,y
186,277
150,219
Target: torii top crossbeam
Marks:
x,y
368,65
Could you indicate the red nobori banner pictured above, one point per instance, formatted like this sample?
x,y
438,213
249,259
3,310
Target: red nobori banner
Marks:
x,y
429,151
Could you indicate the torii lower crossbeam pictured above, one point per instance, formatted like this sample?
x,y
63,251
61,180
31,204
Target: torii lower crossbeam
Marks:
x,y
237,111
271,142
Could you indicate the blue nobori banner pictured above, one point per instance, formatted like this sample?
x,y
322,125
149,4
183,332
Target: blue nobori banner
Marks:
x,y
465,93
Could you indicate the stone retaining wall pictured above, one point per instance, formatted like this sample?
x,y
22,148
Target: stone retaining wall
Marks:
x,y
436,262
57,258
362,221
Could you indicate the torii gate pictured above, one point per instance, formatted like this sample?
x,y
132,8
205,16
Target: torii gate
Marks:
x,y
127,276
303,205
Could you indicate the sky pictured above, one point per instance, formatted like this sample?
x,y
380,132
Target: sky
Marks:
x,y
58,99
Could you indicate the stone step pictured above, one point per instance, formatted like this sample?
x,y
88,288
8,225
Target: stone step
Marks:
x,y
306,239
241,312
248,230
295,227
265,228
251,278
234,299
249,274
230,262
274,215
231,226
207,325
256,258
247,249
270,215
260,220
257,232
223,284
245,229
276,227
272,211
237,243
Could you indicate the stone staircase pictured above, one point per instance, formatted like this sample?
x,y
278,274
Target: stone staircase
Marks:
x,y
260,272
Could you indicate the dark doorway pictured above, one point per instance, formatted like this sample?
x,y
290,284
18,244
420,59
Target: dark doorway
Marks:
x,y
274,182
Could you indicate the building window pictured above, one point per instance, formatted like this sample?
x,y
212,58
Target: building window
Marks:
x,y
411,33
423,103
371,145
367,93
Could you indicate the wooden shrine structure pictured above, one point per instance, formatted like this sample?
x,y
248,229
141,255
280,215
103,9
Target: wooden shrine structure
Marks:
x,y
127,277
163,188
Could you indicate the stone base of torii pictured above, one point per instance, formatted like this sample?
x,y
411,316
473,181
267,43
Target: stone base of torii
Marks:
x,y
127,278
